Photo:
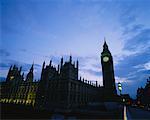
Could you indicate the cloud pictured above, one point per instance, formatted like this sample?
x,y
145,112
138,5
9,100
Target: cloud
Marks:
x,y
132,66
133,62
133,70
128,63
90,68
91,77
135,35
136,28
122,80
93,72
127,19
145,66
139,42
133,29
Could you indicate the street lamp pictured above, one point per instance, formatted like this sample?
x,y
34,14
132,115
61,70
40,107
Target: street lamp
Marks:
x,y
119,87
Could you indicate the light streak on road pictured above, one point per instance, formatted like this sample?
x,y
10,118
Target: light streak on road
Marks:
x,y
125,113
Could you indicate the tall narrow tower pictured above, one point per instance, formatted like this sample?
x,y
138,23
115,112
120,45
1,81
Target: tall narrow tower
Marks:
x,y
29,77
108,72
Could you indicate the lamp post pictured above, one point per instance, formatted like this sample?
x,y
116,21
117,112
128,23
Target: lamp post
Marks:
x,y
119,87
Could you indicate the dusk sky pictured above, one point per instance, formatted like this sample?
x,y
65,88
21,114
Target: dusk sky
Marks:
x,y
41,30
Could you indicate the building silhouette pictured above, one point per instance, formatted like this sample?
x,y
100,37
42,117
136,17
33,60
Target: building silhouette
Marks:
x,y
59,87
16,89
108,73
62,88
143,94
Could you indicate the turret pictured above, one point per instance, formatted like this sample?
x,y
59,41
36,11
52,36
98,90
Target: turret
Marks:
x,y
96,84
105,46
31,69
50,63
83,79
14,67
58,69
61,62
43,65
8,75
29,77
70,59
77,65
90,83
20,69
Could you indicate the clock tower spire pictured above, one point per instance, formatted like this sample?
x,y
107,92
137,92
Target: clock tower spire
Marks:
x,y
108,72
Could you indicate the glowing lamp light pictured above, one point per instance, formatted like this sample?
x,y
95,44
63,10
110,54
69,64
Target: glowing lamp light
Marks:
x,y
12,77
119,86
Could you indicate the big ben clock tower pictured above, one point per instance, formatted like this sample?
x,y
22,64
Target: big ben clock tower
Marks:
x,y
108,73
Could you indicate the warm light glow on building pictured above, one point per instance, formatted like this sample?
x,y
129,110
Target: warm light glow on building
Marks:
x,y
6,100
11,77
23,101
27,101
10,100
14,101
17,101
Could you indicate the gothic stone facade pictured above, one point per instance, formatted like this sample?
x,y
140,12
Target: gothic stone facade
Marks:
x,y
62,88
58,87
17,90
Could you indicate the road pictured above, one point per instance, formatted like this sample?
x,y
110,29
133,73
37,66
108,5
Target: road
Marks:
x,y
131,113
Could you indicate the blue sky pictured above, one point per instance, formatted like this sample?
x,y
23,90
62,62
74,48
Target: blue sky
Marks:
x,y
38,30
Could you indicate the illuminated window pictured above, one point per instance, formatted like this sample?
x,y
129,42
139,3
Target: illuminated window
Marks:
x,y
11,77
18,101
6,100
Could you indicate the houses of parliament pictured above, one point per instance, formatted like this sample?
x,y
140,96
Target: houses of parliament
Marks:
x,y
59,87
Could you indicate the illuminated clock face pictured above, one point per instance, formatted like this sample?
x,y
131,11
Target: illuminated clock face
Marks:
x,y
105,59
